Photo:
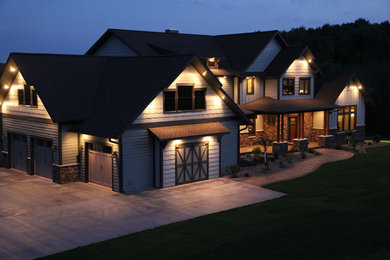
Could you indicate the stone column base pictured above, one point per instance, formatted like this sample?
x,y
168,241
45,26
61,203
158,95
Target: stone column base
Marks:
x,y
66,173
301,145
280,148
327,141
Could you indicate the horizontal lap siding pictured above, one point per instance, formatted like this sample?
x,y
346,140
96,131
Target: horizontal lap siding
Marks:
x,y
69,145
271,88
300,68
258,90
114,47
215,105
32,129
229,145
266,56
169,162
115,161
227,85
137,151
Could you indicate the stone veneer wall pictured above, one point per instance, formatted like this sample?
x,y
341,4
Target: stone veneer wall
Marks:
x,y
66,173
340,138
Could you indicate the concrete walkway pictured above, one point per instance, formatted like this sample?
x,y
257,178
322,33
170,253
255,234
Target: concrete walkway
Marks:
x,y
300,168
39,217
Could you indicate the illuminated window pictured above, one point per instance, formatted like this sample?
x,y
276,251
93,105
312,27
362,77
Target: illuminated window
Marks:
x,y
185,98
288,86
304,86
250,89
346,118
212,63
28,96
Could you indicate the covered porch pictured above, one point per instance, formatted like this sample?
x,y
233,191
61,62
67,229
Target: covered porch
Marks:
x,y
294,123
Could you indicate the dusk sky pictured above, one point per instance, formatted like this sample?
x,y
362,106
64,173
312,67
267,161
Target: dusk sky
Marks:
x,y
72,26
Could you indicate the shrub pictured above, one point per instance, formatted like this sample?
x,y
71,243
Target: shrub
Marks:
x,y
276,156
281,165
369,143
338,147
317,153
303,155
233,170
310,150
289,158
377,138
265,169
256,150
246,174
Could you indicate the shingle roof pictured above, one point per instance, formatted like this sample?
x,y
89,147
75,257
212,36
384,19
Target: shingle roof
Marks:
x,y
166,133
269,105
103,95
2,67
329,87
236,50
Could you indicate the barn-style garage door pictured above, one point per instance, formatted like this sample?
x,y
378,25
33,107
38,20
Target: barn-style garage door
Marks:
x,y
100,165
43,157
18,152
192,163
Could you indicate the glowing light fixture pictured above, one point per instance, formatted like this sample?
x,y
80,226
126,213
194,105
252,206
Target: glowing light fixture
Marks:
x,y
223,97
309,61
204,73
12,69
6,87
224,77
360,87
206,138
212,59
176,142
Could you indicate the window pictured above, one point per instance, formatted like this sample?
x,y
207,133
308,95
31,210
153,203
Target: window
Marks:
x,y
185,98
304,86
346,118
252,128
271,120
250,89
212,63
27,96
288,86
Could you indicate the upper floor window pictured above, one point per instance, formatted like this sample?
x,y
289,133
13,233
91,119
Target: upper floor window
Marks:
x,y
288,86
212,63
28,96
184,98
250,88
304,86
346,118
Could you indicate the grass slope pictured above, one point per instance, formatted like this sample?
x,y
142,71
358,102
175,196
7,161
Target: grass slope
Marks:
x,y
340,211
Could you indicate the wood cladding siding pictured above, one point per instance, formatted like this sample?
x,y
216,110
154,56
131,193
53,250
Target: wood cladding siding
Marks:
x,y
266,56
258,90
229,145
227,85
300,68
115,159
137,149
70,145
271,88
11,102
352,96
216,107
114,47
31,129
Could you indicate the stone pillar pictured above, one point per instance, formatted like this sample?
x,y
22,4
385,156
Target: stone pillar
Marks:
x,y
66,173
327,141
301,145
280,147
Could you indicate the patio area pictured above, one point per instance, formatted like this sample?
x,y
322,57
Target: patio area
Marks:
x,y
248,149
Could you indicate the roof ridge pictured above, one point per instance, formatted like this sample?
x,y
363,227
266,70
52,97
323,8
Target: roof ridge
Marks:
x,y
256,32
106,57
164,33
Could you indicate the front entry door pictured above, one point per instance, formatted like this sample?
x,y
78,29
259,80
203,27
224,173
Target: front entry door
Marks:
x,y
192,162
292,128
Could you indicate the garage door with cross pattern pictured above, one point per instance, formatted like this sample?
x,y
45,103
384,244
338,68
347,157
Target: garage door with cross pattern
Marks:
x,y
18,152
192,163
43,157
100,165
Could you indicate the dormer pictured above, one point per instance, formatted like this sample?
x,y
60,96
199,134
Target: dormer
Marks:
x,y
213,63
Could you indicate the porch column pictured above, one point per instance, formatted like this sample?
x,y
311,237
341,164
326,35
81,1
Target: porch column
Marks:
x,y
302,125
282,131
278,128
326,122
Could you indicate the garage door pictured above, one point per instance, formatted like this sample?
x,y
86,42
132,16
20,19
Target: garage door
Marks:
x,y
43,158
100,168
19,152
192,163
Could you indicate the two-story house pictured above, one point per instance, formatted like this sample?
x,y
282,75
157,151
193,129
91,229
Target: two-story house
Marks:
x,y
149,110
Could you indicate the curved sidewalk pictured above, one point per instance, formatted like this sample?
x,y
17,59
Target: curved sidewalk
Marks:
x,y
300,168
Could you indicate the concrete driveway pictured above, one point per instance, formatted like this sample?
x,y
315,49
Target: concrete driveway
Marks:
x,y
39,217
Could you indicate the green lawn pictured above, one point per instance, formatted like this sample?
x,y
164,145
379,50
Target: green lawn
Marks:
x,y
342,211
